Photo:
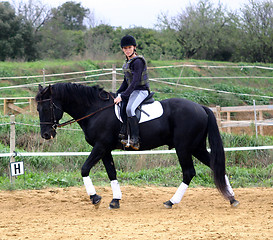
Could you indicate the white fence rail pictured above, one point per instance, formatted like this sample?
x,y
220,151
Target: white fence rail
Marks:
x,y
149,152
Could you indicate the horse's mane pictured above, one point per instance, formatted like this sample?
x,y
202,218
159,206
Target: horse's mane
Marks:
x,y
82,94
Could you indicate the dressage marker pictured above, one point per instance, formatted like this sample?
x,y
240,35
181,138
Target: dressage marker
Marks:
x,y
17,168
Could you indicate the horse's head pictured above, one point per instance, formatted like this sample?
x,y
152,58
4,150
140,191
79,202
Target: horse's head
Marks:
x,y
50,111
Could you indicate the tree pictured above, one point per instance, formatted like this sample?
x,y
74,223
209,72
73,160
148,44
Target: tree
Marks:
x,y
33,11
100,42
70,16
57,43
62,35
171,49
17,40
257,31
203,31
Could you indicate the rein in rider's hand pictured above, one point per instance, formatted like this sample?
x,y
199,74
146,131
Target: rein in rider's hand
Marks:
x,y
118,99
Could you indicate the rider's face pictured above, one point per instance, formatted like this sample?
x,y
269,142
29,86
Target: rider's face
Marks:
x,y
128,50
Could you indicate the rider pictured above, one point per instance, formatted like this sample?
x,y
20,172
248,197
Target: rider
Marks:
x,y
133,90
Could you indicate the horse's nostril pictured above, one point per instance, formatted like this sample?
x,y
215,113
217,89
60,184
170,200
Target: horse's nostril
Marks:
x,y
46,135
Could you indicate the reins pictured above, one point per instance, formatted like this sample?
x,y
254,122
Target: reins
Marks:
x,y
54,122
89,115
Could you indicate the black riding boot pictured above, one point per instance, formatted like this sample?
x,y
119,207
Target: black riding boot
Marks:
x,y
134,132
123,132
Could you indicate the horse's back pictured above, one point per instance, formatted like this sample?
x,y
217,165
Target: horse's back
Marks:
x,y
180,107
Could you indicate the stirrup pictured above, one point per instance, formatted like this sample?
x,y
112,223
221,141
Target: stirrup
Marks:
x,y
134,144
130,143
125,142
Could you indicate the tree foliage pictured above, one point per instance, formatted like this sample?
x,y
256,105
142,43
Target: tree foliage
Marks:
x,y
17,39
214,33
257,27
36,13
200,31
70,16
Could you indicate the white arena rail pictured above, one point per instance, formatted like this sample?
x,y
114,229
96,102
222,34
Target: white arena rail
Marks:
x,y
51,154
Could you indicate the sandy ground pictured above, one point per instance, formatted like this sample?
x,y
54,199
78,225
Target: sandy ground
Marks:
x,y
202,214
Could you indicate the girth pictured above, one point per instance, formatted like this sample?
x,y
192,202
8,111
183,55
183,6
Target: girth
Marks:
x,y
148,100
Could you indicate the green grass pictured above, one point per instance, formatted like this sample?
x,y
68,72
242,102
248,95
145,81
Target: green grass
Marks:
x,y
168,177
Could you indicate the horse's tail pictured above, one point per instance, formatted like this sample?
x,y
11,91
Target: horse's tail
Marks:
x,y
217,154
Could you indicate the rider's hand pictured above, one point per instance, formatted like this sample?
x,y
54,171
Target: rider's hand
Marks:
x,y
117,100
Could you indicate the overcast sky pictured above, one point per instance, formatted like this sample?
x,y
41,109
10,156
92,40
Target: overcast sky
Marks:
x,y
138,12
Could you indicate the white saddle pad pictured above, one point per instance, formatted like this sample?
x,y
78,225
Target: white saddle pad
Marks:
x,y
155,110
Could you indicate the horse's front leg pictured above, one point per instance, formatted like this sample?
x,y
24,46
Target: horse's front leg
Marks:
x,y
96,154
112,174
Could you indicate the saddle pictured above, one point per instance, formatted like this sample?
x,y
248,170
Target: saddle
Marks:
x,y
148,110
148,100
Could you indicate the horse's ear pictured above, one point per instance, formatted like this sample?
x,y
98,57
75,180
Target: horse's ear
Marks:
x,y
40,88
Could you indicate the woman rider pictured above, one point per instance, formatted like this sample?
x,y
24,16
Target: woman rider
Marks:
x,y
133,90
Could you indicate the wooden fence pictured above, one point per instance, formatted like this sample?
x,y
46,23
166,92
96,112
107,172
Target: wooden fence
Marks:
x,y
223,116
11,105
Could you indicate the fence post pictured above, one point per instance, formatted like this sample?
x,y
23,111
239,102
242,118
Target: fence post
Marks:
x,y
43,77
31,103
218,117
12,142
5,106
114,79
255,118
261,126
228,119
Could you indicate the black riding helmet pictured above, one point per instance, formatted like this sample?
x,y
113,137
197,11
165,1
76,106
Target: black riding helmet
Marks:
x,y
127,40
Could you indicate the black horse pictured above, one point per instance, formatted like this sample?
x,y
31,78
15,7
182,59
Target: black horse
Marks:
x,y
184,125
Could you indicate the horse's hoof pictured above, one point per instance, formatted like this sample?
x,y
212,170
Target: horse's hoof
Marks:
x,y
114,204
168,204
96,200
234,203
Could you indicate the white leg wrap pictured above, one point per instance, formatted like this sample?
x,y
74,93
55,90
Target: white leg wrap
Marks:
x,y
90,189
177,197
116,189
229,188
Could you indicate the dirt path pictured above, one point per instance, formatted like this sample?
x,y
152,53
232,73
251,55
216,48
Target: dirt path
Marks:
x,y
202,214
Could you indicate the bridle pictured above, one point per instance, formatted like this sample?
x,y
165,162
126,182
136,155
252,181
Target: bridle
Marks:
x,y
54,121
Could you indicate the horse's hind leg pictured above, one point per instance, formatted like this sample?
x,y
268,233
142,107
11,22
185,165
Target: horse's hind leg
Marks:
x,y
204,156
112,174
185,160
